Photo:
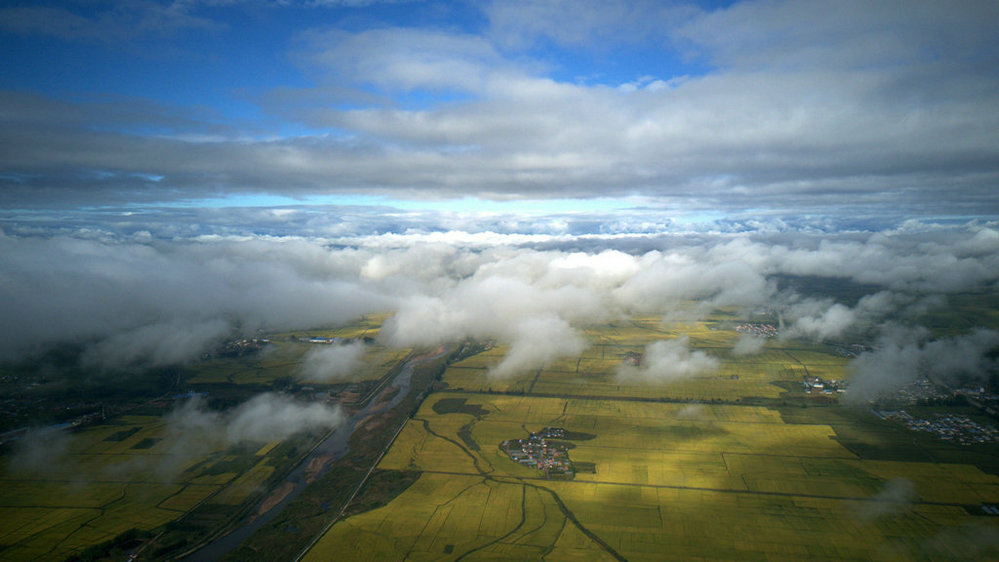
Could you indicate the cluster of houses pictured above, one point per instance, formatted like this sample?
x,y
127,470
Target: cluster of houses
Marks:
x,y
816,385
538,452
759,330
950,427
920,390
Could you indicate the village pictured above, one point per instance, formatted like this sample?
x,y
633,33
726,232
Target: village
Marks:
x,y
759,330
552,459
817,385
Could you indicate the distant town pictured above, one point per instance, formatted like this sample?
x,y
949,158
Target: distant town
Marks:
x,y
950,427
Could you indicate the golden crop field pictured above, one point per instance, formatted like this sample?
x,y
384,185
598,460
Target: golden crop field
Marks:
x,y
670,481
594,372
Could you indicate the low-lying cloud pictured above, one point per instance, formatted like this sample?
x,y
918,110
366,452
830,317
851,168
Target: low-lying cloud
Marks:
x,y
748,344
193,430
136,301
333,363
668,360
904,355
539,341
894,498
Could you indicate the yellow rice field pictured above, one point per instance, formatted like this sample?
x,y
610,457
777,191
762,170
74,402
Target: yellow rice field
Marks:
x,y
672,481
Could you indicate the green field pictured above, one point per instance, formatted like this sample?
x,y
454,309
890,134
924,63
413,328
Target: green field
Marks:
x,y
712,467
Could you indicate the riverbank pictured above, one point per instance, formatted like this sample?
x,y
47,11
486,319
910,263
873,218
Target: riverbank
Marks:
x,y
306,514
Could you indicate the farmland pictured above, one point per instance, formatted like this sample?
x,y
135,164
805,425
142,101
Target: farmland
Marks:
x,y
734,481
733,464
132,475
594,372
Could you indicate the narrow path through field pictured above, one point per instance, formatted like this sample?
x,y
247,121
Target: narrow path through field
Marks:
x,y
523,518
803,366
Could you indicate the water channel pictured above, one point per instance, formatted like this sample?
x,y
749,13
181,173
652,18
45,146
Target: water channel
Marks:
x,y
335,445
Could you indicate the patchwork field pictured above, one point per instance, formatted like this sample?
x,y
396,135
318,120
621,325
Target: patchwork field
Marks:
x,y
732,464
669,480
594,373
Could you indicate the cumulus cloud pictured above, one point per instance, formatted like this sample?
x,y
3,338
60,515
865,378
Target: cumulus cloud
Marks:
x,y
823,319
333,363
538,342
668,360
666,280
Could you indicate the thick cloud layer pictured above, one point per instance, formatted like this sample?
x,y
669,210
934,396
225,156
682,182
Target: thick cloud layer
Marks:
x,y
165,302
139,301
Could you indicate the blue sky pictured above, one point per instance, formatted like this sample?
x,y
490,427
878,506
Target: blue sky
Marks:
x,y
712,110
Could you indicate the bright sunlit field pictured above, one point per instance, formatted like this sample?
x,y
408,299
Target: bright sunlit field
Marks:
x,y
670,481
705,474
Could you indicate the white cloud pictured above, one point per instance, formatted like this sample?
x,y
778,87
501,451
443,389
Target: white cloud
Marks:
x,y
193,431
895,498
668,360
333,363
539,341
130,302
748,344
